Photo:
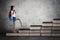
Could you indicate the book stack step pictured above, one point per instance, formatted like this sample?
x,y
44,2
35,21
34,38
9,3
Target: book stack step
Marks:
x,y
24,31
35,30
56,27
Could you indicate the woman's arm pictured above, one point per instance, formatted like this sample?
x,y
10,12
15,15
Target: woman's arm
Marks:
x,y
12,13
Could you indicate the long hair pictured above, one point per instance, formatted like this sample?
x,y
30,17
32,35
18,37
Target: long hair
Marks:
x,y
10,10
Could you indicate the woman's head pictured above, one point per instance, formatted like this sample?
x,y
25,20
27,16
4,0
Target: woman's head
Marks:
x,y
12,7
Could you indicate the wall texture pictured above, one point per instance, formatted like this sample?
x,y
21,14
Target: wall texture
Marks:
x,y
29,11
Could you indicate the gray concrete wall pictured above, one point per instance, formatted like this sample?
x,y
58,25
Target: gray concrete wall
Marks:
x,y
29,11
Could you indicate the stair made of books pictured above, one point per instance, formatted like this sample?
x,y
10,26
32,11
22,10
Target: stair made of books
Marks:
x,y
51,28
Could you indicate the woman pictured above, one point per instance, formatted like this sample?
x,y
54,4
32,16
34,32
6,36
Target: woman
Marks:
x,y
12,17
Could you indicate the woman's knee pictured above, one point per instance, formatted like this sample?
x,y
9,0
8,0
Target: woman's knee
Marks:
x,y
18,19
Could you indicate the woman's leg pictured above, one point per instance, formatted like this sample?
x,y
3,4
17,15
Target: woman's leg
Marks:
x,y
19,21
14,29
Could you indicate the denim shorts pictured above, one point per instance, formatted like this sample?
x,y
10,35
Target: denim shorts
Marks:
x,y
12,19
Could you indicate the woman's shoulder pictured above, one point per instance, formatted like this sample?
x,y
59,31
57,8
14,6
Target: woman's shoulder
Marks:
x,y
11,11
